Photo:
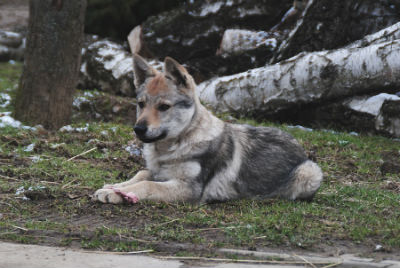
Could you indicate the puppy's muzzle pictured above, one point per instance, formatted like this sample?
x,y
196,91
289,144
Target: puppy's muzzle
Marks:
x,y
140,129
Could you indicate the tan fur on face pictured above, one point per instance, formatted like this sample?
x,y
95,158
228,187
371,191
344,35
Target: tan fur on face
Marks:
x,y
151,116
157,85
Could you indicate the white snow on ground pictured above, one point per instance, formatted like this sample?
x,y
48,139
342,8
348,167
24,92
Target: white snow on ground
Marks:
x,y
30,147
132,149
78,101
85,98
371,105
21,190
7,121
5,100
69,128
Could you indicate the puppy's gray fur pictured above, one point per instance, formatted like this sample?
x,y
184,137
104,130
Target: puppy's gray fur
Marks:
x,y
193,156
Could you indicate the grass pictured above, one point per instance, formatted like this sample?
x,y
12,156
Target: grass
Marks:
x,y
354,206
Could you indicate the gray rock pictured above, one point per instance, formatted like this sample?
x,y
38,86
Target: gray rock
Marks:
x,y
12,46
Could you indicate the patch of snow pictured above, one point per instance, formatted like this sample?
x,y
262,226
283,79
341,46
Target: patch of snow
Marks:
x,y
56,145
104,133
69,128
133,150
30,147
343,142
371,105
5,100
301,127
12,62
93,141
78,101
83,68
208,8
36,158
7,121
21,190
114,129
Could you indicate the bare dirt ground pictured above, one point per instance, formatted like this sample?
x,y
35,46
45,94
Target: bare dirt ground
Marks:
x,y
14,14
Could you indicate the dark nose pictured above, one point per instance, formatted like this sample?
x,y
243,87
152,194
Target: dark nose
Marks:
x,y
140,129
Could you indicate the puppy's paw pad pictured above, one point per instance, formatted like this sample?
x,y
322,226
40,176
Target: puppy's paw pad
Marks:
x,y
107,196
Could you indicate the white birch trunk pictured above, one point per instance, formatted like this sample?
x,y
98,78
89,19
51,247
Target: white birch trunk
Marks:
x,y
306,78
388,34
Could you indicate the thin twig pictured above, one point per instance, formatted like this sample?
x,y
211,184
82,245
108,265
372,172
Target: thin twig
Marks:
x,y
20,228
8,178
88,151
304,259
50,182
68,183
167,222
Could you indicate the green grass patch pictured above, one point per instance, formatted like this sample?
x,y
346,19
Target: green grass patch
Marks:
x,y
357,204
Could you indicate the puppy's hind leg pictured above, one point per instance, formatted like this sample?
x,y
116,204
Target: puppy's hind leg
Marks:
x,y
306,180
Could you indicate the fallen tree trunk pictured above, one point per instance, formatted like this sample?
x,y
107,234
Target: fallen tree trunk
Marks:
x,y
388,34
327,24
305,79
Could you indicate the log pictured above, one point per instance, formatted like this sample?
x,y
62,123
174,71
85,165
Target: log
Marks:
x,y
192,34
327,24
307,78
388,34
107,66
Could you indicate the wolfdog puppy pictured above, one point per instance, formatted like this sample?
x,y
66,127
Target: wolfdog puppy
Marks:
x,y
191,155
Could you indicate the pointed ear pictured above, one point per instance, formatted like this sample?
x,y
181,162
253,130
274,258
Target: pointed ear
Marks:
x,y
141,70
176,71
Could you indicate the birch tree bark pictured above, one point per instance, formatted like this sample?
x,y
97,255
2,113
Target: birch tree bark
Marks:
x,y
306,78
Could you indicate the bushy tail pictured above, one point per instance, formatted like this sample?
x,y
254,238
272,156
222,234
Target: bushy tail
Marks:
x,y
306,180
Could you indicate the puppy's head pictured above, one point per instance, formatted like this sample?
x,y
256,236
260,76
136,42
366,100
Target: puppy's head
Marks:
x,y
166,100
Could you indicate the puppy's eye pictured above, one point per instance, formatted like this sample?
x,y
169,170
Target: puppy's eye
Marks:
x,y
163,107
141,104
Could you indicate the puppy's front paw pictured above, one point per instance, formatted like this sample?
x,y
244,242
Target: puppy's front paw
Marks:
x,y
107,196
